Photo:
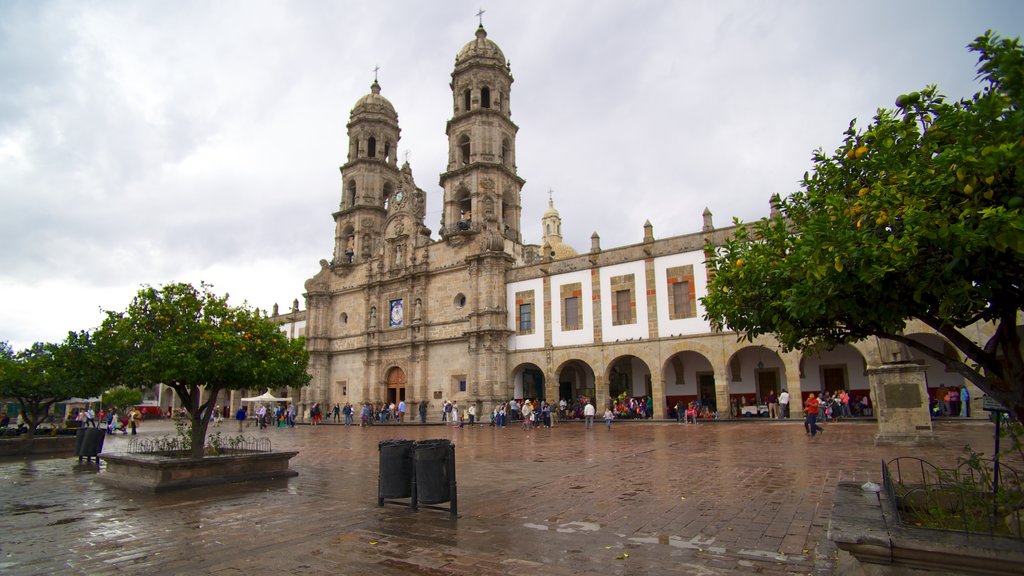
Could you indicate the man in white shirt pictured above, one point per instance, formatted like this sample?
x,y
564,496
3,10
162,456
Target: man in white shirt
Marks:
x,y
784,404
588,414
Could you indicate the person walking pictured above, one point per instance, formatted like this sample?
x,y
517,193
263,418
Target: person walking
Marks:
x,y
240,416
588,414
471,411
423,412
608,417
401,411
784,404
965,398
811,419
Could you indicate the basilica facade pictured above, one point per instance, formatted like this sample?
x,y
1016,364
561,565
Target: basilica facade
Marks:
x,y
480,315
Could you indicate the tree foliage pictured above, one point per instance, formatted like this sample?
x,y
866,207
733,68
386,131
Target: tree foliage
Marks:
x,y
917,216
44,374
121,397
193,341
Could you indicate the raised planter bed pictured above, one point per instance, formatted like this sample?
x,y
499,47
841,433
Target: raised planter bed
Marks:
x,y
866,525
38,446
157,472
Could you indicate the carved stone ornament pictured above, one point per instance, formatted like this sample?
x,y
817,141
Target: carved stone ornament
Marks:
x,y
487,183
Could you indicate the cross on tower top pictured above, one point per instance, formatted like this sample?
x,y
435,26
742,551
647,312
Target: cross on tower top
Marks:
x,y
480,15
375,69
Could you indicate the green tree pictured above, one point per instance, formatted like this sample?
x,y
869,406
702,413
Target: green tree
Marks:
x,y
44,374
918,216
194,342
121,398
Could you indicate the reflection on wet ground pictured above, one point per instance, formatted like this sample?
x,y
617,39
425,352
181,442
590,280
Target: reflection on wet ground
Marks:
x,y
643,498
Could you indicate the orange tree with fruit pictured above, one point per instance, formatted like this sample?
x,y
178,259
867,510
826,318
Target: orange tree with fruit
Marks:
x,y
916,216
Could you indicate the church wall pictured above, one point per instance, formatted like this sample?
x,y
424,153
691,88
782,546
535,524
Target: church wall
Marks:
x,y
638,328
695,324
584,334
535,289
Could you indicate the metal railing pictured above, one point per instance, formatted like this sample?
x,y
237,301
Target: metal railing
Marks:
x,y
177,446
974,498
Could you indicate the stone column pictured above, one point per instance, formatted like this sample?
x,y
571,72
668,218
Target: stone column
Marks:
x,y
658,394
722,393
791,361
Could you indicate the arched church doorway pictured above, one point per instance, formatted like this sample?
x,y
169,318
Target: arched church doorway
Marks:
x,y
396,385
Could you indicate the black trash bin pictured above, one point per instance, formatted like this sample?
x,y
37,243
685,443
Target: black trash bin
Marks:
x,y
396,470
435,473
89,442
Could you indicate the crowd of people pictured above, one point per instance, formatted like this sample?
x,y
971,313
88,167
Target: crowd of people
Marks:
x,y
530,413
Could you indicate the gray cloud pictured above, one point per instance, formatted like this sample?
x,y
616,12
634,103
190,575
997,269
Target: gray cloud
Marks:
x,y
146,142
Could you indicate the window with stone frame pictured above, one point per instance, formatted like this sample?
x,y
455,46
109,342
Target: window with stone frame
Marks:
x,y
682,302
571,295
524,312
624,289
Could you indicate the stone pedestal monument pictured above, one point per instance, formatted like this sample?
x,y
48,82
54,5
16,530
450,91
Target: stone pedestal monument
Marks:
x,y
900,398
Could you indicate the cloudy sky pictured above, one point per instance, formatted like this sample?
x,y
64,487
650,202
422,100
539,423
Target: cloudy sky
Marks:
x,y
146,142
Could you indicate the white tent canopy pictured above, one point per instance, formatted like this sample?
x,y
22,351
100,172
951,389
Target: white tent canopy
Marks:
x,y
266,397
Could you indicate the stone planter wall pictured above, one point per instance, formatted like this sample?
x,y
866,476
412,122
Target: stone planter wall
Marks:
x,y
154,473
865,525
37,446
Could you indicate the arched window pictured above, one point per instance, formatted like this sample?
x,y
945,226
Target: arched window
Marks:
x,y
387,151
485,97
389,190
506,153
371,147
464,149
350,194
465,100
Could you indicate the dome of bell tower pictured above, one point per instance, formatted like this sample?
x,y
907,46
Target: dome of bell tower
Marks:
x,y
480,48
374,104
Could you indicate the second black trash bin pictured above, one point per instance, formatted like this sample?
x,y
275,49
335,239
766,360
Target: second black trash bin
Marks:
x,y
89,443
435,471
396,470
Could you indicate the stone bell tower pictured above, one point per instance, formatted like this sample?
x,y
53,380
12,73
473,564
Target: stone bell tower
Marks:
x,y
481,188
370,178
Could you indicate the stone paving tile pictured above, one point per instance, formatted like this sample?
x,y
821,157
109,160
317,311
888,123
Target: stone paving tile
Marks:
x,y
644,498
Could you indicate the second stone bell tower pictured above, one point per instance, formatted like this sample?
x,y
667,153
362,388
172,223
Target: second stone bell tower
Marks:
x,y
481,188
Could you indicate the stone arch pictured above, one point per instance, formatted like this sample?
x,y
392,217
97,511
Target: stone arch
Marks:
x,y
350,193
576,381
348,235
754,371
371,147
528,381
689,376
629,377
843,367
936,374
506,152
485,97
386,193
464,150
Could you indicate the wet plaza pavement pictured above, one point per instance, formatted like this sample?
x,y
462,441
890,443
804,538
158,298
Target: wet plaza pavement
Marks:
x,y
643,498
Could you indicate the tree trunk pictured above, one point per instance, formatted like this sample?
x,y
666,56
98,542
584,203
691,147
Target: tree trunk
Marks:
x,y
199,425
